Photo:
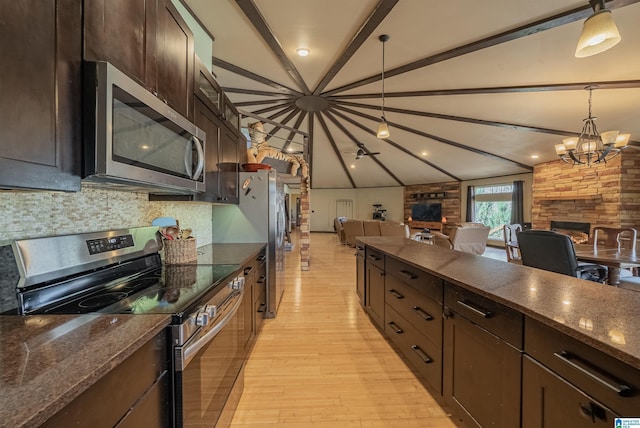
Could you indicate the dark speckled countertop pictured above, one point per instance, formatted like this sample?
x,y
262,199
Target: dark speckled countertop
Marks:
x,y
46,361
227,253
607,318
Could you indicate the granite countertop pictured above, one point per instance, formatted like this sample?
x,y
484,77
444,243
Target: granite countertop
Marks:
x,y
233,254
48,360
605,317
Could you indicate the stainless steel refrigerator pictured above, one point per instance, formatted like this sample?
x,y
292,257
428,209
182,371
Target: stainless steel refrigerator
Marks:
x,y
259,217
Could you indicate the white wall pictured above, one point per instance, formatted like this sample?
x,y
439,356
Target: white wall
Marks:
x,y
323,204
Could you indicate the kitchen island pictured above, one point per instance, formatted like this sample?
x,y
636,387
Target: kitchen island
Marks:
x,y
535,343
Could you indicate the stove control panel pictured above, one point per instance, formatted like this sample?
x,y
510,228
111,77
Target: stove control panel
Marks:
x,y
102,245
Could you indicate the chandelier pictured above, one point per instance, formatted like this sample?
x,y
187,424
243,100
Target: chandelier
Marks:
x,y
591,147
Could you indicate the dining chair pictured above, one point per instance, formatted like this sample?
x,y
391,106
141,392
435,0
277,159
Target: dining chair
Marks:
x,y
553,251
614,237
510,233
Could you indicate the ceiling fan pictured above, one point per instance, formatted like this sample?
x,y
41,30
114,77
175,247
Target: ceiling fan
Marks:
x,y
360,153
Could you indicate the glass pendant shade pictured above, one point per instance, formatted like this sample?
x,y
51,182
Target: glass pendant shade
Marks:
x,y
599,33
609,137
622,140
383,129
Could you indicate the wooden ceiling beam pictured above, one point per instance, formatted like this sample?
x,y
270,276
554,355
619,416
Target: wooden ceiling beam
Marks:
x,y
296,126
355,141
255,77
332,141
393,143
255,17
552,87
439,139
261,102
548,23
378,15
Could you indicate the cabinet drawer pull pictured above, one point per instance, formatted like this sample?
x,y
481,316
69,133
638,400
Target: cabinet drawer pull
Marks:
x,y
248,270
261,307
395,328
478,311
261,279
592,412
588,370
422,313
262,258
374,258
424,357
408,274
396,294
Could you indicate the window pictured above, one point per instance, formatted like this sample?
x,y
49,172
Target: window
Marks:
x,y
492,207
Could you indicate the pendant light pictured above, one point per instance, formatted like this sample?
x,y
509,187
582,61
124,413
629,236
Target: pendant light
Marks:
x,y
599,31
383,127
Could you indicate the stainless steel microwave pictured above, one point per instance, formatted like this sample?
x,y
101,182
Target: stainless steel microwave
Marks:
x,y
133,140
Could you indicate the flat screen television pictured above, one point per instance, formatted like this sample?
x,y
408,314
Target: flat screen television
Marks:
x,y
426,212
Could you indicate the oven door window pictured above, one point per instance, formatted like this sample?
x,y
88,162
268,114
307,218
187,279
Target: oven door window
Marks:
x,y
142,137
208,379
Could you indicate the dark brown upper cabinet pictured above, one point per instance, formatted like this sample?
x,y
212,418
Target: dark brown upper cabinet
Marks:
x,y
147,40
123,32
207,89
175,60
40,85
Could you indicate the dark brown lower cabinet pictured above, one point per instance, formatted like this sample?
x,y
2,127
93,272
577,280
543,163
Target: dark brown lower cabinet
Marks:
x,y
550,401
360,275
374,294
134,393
481,375
424,355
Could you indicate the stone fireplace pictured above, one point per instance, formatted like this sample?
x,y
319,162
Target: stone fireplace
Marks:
x,y
601,195
578,231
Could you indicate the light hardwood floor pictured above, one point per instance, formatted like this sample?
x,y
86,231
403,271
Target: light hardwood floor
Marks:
x,y
321,363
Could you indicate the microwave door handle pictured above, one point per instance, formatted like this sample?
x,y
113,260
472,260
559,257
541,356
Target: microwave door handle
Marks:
x,y
200,166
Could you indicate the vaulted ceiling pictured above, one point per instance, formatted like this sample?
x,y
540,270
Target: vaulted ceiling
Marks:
x,y
473,89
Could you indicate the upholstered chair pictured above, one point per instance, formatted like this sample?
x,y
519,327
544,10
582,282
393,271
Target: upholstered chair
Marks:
x,y
465,237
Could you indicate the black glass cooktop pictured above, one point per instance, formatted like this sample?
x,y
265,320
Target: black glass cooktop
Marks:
x,y
169,289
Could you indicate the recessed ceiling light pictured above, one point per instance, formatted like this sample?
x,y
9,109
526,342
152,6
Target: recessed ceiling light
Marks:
x,y
424,153
303,51
534,156
353,165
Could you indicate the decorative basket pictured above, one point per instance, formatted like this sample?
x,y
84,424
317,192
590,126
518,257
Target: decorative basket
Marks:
x,y
180,251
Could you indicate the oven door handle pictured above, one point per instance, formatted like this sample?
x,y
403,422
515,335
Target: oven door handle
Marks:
x,y
185,353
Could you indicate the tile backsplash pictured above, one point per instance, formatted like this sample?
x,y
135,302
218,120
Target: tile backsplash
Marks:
x,y
37,214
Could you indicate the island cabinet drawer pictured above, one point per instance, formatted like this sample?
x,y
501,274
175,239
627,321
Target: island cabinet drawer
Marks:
x,y
374,256
608,380
425,283
424,355
494,317
424,313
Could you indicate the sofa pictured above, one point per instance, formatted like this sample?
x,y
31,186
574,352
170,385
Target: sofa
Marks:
x,y
354,228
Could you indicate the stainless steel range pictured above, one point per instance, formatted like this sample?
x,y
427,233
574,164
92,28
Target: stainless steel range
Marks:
x,y
121,272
